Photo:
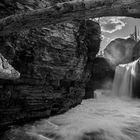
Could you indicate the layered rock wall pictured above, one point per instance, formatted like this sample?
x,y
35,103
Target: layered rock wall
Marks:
x,y
136,51
55,64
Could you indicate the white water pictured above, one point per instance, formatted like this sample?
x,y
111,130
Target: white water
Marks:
x,y
95,119
124,74
103,118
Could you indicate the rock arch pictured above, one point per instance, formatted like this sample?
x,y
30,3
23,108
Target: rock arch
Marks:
x,y
61,12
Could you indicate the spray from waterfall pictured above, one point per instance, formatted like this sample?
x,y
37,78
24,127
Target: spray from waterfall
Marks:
x,y
123,80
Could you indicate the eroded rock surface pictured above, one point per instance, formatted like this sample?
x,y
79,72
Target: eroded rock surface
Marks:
x,y
102,75
55,64
136,51
6,70
120,51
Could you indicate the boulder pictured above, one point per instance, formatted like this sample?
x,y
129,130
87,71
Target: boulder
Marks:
x,y
136,79
7,71
120,51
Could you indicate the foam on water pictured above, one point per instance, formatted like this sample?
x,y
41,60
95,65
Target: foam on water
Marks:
x,y
95,119
123,81
104,118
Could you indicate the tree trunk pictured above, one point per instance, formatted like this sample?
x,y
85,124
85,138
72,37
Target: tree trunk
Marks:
x,y
61,12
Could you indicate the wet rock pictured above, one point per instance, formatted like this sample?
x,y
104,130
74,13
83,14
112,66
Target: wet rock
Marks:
x,y
119,51
92,42
136,79
6,70
54,63
102,75
136,51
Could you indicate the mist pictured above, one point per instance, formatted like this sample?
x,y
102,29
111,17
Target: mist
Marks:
x,y
103,118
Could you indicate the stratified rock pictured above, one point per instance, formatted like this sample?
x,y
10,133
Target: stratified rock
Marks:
x,y
91,39
119,51
136,76
6,70
54,63
103,73
66,11
136,51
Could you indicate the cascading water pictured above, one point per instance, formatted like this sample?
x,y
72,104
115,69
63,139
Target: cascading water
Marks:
x,y
123,80
106,118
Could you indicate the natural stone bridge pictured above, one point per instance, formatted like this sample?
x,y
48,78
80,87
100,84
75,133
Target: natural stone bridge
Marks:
x,y
71,10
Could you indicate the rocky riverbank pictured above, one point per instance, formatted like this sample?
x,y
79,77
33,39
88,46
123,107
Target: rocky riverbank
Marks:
x,y
100,119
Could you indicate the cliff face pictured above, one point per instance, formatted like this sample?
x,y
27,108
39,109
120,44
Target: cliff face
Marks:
x,y
55,65
136,51
103,73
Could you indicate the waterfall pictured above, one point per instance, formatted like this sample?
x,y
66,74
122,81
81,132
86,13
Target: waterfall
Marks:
x,y
123,80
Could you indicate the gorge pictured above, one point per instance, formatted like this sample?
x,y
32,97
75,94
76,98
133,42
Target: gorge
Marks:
x,y
48,91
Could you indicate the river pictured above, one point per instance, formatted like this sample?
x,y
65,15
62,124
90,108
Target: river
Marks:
x,y
103,118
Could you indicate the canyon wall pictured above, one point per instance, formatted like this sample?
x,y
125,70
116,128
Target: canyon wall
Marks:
x,y
136,51
54,62
65,11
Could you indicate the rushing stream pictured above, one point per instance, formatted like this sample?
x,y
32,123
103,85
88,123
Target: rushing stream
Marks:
x,y
124,77
104,118
95,119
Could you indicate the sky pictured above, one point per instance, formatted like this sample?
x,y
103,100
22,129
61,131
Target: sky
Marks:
x,y
117,27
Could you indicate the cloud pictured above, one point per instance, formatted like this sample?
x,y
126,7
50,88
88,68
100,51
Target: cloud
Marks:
x,y
112,24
